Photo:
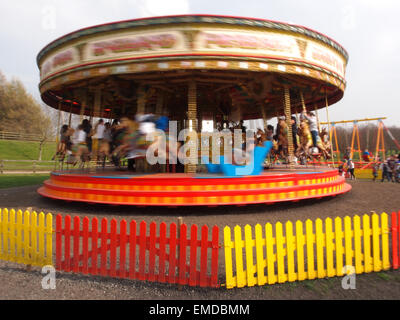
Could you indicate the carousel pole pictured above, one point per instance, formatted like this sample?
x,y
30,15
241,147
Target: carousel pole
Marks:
x,y
91,116
141,163
70,116
83,105
192,123
264,115
288,115
58,130
96,112
302,101
97,102
159,112
58,121
297,117
160,102
316,114
141,101
329,127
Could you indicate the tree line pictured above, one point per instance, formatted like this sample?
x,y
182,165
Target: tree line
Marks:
x,y
20,112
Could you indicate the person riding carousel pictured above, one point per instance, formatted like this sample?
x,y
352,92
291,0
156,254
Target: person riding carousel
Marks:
x,y
65,142
312,122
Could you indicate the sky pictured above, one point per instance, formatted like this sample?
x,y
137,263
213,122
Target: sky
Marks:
x,y
367,29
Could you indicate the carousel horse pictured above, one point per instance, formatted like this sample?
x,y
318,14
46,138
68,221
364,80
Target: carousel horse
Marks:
x,y
322,148
305,140
323,143
283,138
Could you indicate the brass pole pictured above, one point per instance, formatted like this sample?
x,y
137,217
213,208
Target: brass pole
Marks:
x,y
264,115
58,131
97,102
83,105
288,115
302,100
160,102
70,116
316,114
192,122
141,101
329,127
58,122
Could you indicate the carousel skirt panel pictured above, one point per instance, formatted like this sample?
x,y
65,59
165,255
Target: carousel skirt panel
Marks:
x,y
169,189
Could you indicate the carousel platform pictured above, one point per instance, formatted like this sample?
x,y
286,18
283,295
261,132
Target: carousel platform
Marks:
x,y
178,189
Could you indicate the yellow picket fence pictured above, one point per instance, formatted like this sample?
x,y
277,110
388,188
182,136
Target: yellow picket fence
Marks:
x,y
26,237
277,258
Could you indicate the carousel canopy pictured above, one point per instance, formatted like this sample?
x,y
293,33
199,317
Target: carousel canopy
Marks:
x,y
240,67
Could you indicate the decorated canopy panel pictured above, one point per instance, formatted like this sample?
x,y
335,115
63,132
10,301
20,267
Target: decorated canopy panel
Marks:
x,y
253,58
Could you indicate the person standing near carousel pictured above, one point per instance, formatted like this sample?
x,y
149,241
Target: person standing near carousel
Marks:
x,y
350,169
375,168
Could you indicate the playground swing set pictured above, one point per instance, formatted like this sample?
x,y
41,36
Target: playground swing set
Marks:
x,y
355,146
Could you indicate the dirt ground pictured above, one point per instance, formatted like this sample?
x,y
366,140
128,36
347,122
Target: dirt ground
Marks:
x,y
365,196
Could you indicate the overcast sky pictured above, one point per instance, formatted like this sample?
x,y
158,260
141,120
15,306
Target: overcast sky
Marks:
x,y
367,29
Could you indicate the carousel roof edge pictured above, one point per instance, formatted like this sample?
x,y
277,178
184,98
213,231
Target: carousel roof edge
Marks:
x,y
193,18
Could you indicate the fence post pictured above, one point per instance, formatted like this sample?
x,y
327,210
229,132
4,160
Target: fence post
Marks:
x,y
1,166
34,166
395,256
180,222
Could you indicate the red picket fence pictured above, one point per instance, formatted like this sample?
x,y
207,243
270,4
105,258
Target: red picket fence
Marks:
x,y
395,239
169,258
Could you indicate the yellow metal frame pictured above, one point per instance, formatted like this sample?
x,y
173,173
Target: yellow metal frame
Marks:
x,y
354,135
380,142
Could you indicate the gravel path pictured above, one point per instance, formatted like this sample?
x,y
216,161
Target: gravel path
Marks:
x,y
366,196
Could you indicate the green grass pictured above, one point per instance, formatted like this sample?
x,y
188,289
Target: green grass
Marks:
x,y
383,276
309,284
9,181
25,150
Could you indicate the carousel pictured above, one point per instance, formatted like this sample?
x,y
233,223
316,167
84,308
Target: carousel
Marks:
x,y
192,69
